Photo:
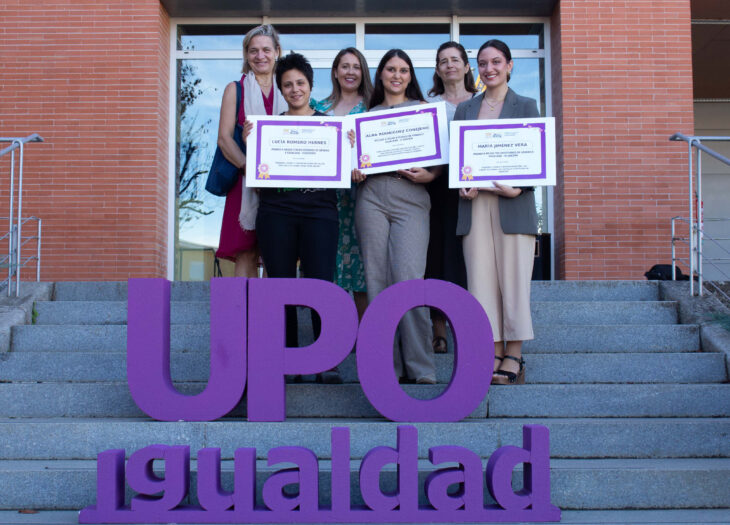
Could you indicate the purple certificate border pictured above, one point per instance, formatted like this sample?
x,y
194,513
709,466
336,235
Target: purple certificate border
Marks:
x,y
534,176
296,123
434,114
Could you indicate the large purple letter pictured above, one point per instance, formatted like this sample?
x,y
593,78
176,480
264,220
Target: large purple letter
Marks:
x,y
473,352
148,351
535,455
269,358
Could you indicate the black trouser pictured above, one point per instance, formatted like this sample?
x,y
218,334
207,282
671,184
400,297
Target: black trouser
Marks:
x,y
284,239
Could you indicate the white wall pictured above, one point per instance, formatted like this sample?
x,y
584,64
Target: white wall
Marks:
x,y
713,119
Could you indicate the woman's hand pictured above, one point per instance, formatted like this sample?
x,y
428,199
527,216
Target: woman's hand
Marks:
x,y
351,136
247,129
417,175
503,190
358,176
468,193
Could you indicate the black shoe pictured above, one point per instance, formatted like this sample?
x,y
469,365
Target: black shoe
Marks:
x,y
504,377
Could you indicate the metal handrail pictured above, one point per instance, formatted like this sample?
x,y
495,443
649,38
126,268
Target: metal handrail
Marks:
x,y
696,224
15,226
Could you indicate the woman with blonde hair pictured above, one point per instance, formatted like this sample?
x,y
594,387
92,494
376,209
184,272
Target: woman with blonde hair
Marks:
x,y
259,96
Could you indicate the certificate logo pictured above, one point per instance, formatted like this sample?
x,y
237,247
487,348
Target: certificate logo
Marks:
x,y
365,161
466,173
263,170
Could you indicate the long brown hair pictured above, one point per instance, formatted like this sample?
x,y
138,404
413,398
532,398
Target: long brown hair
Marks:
x,y
365,89
413,90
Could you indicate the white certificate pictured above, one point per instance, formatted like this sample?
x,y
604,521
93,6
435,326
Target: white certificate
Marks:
x,y
401,138
298,152
516,152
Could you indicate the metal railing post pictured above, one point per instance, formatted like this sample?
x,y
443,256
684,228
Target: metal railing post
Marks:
x,y
18,235
38,254
696,224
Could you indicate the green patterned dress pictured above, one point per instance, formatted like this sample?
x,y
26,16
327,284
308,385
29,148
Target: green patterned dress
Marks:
x,y
350,274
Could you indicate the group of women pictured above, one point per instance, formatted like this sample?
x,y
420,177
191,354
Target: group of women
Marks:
x,y
389,227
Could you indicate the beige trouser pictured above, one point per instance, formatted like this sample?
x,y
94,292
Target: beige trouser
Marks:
x,y
499,270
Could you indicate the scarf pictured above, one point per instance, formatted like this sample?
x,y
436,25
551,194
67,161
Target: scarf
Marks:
x,y
253,104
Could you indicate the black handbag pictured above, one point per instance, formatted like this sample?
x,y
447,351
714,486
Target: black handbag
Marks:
x,y
222,174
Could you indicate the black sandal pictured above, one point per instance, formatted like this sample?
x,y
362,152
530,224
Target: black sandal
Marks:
x,y
440,345
496,357
504,377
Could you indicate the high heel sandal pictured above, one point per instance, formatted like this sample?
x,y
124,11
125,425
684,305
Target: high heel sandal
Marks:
x,y
497,358
505,377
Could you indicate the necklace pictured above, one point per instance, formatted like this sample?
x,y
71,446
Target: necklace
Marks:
x,y
496,103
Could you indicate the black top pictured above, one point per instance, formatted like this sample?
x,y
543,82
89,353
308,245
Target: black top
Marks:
x,y
316,203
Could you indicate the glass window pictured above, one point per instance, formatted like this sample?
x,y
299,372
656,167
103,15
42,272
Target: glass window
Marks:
x,y
311,36
406,36
200,90
211,37
516,36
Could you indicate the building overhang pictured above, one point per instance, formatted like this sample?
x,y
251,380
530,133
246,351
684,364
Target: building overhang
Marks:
x,y
358,8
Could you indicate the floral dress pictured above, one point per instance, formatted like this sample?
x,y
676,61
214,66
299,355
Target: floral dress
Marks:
x,y
349,274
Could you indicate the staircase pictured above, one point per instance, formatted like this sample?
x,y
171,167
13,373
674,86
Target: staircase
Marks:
x,y
639,416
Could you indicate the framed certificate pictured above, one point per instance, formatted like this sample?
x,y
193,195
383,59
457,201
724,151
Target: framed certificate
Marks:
x,y
298,152
414,136
517,152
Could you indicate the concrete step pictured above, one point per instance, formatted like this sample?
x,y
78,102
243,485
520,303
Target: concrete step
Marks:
x,y
541,291
28,400
572,517
113,312
695,367
543,312
83,438
552,339
576,484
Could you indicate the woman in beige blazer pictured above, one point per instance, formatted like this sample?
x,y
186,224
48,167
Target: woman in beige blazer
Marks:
x,y
499,225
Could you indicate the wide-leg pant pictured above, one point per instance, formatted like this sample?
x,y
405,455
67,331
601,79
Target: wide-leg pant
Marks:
x,y
499,270
391,217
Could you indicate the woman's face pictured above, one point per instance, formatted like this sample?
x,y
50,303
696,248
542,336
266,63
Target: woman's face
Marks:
x,y
396,76
450,67
261,55
349,73
493,67
295,88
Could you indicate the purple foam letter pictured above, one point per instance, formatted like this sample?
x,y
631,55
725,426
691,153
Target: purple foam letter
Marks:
x,y
473,352
535,455
210,493
405,455
468,474
173,484
306,475
148,351
269,358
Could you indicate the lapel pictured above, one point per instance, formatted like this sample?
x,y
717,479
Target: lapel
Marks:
x,y
509,108
472,111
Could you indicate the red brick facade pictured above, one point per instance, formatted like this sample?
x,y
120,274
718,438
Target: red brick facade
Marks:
x,y
622,84
92,78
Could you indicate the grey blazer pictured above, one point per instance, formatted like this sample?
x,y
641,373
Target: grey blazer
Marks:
x,y
516,215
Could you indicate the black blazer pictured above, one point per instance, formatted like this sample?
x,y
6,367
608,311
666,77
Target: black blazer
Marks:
x,y
516,215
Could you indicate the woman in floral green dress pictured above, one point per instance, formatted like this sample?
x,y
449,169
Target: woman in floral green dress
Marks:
x,y
351,89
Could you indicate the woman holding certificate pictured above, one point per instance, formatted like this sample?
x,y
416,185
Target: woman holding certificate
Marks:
x,y
351,89
298,224
499,224
391,217
258,97
453,83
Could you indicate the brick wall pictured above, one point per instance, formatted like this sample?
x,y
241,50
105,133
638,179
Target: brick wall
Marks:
x,y
625,87
92,79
